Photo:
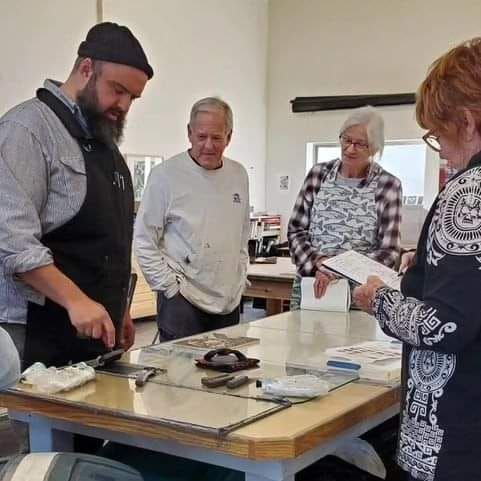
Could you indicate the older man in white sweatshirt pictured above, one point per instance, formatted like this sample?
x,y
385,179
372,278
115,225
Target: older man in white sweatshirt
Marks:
x,y
192,229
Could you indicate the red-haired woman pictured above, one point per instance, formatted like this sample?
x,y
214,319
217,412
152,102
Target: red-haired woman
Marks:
x,y
437,314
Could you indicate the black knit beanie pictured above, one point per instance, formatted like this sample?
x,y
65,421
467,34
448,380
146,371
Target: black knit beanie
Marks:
x,y
115,43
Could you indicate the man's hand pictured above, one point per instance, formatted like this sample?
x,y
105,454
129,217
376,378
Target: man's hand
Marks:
x,y
128,333
364,295
323,279
87,316
92,320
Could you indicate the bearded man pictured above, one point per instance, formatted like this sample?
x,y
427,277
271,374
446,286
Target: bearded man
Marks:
x,y
66,216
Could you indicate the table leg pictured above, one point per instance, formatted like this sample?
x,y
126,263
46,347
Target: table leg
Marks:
x,y
44,438
273,306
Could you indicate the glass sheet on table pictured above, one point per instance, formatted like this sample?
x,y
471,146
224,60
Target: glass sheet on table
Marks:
x,y
180,371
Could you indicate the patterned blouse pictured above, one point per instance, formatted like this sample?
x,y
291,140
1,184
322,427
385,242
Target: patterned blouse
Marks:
x,y
438,317
388,205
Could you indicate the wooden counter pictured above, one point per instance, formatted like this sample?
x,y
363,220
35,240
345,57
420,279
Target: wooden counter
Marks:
x,y
272,282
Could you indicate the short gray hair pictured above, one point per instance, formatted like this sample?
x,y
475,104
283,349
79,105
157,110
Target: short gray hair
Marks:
x,y
213,104
374,123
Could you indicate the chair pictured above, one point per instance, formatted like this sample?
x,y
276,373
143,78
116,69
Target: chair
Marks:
x,y
280,250
66,467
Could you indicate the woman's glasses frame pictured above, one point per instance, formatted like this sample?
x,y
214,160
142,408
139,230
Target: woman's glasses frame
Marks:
x,y
432,141
347,142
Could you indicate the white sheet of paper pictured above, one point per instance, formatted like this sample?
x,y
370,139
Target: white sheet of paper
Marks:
x,y
379,360
368,352
337,297
358,267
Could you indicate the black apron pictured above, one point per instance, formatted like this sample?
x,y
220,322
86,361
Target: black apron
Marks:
x,y
93,249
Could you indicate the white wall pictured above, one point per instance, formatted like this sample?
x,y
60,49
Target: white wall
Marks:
x,y
197,49
225,47
39,39
348,47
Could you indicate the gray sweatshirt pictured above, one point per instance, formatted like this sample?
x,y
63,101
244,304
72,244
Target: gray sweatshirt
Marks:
x,y
43,185
192,230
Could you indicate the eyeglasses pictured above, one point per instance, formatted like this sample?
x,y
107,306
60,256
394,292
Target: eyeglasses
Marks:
x,y
432,141
347,141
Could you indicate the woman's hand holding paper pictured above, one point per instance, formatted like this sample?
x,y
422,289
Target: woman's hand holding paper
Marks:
x,y
364,294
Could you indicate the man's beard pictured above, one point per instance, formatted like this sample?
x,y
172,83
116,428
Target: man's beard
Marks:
x,y
102,128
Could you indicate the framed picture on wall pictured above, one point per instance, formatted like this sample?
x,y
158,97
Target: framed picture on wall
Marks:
x,y
140,166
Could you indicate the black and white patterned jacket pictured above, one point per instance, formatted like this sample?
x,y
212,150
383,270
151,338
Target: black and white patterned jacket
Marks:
x,y
438,317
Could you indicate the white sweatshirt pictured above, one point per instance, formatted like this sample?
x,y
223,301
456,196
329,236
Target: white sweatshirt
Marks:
x,y
192,230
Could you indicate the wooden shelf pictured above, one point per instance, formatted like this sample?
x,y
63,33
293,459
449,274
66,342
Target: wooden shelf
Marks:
x,y
265,231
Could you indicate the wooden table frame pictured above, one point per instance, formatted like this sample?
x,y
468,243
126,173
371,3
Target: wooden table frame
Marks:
x,y
56,434
271,449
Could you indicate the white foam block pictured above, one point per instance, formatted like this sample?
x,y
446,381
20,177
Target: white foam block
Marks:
x,y
336,299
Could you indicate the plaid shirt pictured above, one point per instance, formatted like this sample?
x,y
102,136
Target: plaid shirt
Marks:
x,y
388,199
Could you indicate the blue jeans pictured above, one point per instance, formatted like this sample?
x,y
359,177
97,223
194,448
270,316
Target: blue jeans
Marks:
x,y
177,317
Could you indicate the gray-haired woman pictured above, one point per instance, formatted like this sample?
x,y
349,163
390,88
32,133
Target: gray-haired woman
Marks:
x,y
350,203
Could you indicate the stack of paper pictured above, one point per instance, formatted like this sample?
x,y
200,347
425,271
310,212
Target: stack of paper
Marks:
x,y
337,297
216,340
380,360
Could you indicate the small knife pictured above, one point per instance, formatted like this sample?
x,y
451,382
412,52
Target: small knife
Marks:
x,y
106,358
145,374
